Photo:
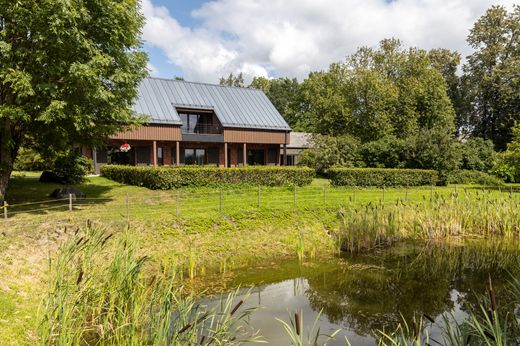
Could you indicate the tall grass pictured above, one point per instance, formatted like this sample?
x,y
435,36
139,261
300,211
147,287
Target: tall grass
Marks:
x,y
481,214
490,325
99,295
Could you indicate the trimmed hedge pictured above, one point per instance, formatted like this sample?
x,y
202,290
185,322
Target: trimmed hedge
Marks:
x,y
474,177
382,177
165,178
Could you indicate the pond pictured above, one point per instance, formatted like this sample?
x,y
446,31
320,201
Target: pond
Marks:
x,y
362,293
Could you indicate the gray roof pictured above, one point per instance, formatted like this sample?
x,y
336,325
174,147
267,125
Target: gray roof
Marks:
x,y
234,107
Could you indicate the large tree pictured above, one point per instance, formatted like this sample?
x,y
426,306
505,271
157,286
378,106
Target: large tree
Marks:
x,y
69,70
284,93
493,73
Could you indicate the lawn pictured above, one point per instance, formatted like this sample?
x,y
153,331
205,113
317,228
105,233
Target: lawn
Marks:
x,y
200,230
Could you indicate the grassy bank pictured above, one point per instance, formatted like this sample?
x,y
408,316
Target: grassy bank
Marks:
x,y
203,230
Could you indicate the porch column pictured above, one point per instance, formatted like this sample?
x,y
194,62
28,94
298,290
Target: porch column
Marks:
x,y
244,155
94,158
154,155
285,154
225,155
177,153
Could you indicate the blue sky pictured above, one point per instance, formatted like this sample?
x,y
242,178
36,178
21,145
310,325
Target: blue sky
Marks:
x,y
204,40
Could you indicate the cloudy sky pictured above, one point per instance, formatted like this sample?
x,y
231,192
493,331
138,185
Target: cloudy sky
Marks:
x,y
204,40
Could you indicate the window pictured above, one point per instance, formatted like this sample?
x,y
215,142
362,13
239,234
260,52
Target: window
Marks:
x,y
255,157
143,155
160,157
272,156
199,123
208,156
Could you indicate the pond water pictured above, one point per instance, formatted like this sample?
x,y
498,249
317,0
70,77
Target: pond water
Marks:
x,y
361,293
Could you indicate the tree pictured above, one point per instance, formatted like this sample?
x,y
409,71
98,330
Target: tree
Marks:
x,y
69,71
478,155
493,72
327,151
508,166
447,63
232,80
284,93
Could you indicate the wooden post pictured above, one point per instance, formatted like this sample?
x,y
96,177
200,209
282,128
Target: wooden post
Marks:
x,y
177,153
406,194
294,197
70,201
244,154
5,210
325,194
354,195
177,207
511,191
127,208
220,200
258,196
225,155
94,158
154,156
383,194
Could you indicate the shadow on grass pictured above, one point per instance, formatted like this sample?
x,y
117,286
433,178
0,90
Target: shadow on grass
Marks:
x,y
24,193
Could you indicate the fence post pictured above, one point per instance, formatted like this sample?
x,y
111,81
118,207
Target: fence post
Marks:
x,y
325,194
354,194
70,201
127,208
406,193
177,199
511,191
383,194
294,198
220,200
258,196
5,210
431,193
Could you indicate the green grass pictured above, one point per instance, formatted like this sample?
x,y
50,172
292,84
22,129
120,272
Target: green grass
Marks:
x,y
202,238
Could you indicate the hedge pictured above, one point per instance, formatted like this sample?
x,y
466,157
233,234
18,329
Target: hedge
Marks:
x,y
382,177
473,177
164,178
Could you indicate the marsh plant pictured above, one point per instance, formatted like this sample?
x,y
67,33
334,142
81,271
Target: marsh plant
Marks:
x,y
490,325
479,214
100,294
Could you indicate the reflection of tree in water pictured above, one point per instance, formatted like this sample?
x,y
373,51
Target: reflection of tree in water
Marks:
x,y
371,291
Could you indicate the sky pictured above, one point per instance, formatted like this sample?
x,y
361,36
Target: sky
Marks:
x,y
205,40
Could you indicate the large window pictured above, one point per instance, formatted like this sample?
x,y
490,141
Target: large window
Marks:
x,y
201,156
199,123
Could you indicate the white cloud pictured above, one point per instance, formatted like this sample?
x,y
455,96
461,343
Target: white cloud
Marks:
x,y
154,71
293,37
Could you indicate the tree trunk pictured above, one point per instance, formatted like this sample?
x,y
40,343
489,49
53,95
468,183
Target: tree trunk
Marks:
x,y
9,144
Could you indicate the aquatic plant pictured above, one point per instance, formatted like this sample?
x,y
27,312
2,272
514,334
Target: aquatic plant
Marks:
x,y
312,337
99,294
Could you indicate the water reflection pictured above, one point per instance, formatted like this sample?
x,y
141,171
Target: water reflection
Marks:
x,y
360,293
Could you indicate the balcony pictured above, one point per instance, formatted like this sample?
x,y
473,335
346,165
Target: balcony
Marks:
x,y
202,129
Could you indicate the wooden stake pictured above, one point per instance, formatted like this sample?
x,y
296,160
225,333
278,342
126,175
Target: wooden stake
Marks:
x,y
70,201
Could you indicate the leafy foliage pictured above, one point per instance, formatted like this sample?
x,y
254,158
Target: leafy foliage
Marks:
x,y
473,177
30,160
327,151
381,177
508,166
232,80
493,74
478,155
71,167
164,178
69,71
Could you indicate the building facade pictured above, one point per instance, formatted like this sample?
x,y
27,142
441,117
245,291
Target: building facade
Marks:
x,y
199,124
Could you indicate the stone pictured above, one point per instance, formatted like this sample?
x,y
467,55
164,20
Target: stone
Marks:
x,y
50,177
64,192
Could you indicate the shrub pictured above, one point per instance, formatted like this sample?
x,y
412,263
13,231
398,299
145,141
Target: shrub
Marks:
x,y
328,151
478,155
473,177
164,178
30,160
382,177
71,167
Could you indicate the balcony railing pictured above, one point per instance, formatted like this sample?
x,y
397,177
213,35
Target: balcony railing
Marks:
x,y
203,129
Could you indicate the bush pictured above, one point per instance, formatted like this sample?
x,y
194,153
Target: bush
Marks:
x,y
478,155
30,160
164,178
382,177
473,177
328,151
71,167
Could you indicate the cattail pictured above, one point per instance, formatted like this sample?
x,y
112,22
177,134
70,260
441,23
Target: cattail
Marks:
x,y
236,307
80,276
297,322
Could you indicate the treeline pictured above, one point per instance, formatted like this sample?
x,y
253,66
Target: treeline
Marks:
x,y
394,106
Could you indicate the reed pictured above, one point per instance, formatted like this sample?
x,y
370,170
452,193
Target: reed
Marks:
x,y
99,294
311,337
480,214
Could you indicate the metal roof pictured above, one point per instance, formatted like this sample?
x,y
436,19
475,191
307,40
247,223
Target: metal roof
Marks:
x,y
233,106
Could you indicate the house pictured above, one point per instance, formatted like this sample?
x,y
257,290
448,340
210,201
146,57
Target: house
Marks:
x,y
299,141
199,124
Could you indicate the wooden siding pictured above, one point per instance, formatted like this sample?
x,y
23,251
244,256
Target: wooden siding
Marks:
x,y
151,133
253,136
